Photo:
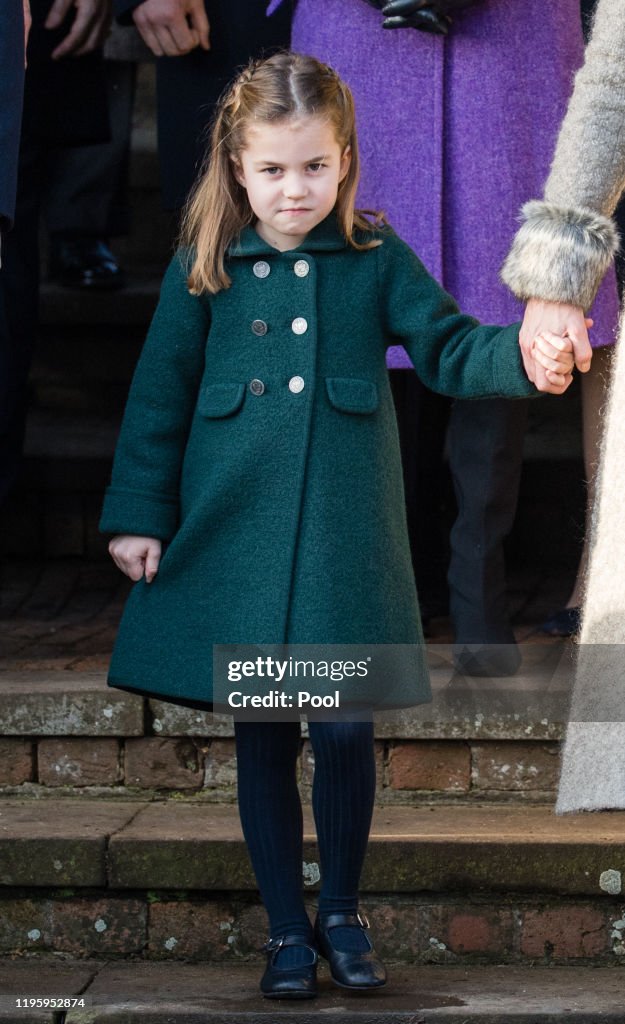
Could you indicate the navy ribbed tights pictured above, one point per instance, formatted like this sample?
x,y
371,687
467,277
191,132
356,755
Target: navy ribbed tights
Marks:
x,y
271,818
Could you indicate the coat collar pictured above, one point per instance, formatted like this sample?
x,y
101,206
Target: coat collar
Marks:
x,y
326,236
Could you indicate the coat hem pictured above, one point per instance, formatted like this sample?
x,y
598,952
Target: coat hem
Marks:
x,y
198,705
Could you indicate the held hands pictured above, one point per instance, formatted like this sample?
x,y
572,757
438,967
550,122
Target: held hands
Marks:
x,y
557,318
554,360
172,28
136,555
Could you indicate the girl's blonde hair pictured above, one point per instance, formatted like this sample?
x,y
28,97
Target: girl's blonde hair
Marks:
x,y
280,87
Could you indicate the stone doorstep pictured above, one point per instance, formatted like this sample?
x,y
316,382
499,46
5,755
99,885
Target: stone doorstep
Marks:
x,y
431,848
179,993
529,706
66,703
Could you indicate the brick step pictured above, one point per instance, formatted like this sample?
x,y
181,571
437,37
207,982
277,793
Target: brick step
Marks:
x,y
478,739
129,992
168,880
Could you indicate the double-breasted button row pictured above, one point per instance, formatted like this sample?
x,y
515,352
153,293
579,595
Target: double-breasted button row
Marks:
x,y
263,269
296,384
298,326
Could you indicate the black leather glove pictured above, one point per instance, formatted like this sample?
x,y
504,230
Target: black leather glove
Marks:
x,y
427,15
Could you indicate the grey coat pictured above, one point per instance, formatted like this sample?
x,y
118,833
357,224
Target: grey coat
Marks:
x,y
560,253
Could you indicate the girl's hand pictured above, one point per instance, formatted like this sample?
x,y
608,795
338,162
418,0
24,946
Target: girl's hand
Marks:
x,y
555,355
136,555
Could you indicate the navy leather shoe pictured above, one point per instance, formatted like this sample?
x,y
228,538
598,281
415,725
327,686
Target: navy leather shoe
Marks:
x,y
349,969
298,982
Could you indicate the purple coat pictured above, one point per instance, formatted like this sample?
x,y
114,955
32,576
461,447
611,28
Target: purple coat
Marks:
x,y
455,134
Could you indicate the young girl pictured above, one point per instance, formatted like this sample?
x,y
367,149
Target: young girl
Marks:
x,y
259,444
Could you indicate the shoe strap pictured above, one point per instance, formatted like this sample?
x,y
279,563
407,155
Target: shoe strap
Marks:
x,y
340,920
280,941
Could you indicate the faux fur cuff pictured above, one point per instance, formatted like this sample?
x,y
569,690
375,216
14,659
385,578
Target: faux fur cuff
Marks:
x,y
560,254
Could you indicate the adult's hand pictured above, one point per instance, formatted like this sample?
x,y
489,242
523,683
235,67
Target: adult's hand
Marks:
x,y
561,319
172,28
88,30
27,26
428,15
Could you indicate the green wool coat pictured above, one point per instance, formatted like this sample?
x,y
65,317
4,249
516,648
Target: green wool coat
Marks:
x,y
260,443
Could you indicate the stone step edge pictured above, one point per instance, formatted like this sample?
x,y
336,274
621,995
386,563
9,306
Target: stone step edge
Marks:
x,y
69,703
163,993
433,848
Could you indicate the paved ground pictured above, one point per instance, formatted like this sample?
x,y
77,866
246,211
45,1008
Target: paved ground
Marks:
x,y
64,613
174,993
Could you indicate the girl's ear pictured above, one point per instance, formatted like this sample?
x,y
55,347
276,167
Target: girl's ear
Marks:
x,y
346,159
238,172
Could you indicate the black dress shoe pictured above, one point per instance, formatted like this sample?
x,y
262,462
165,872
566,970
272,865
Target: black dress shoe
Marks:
x,y
84,262
349,969
298,982
566,622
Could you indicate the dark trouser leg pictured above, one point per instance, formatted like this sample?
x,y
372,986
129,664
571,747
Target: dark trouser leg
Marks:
x,y
271,818
86,183
422,417
343,798
485,453
19,295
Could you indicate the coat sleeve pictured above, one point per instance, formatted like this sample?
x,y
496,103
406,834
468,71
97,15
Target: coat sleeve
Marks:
x,y
451,352
566,242
142,497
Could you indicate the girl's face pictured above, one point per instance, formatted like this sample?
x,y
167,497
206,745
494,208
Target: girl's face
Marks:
x,y
291,172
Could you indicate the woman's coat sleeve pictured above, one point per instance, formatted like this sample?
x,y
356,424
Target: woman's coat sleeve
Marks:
x,y
451,352
566,242
142,498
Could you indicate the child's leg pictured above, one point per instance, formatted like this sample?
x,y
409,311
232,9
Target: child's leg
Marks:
x,y
343,797
271,817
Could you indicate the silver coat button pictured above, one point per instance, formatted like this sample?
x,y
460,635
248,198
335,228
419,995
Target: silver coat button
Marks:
x,y
257,387
296,384
261,269
301,268
259,327
299,325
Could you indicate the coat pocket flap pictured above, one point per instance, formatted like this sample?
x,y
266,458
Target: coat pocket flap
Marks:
x,y
220,399
352,395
